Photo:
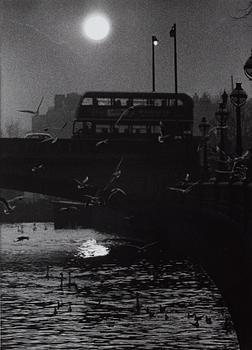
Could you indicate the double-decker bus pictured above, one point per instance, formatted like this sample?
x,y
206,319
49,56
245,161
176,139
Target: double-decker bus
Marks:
x,y
133,114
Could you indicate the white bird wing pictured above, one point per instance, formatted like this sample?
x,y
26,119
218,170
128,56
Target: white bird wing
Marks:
x,y
175,189
119,164
6,203
18,198
78,182
123,114
51,139
101,142
85,180
114,191
55,139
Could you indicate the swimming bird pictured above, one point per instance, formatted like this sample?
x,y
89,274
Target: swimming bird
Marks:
x,y
35,113
162,308
55,312
208,319
59,304
102,142
76,287
197,318
196,324
61,280
138,307
22,238
69,306
151,313
47,272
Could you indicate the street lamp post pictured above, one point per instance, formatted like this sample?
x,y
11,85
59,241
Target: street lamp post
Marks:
x,y
238,98
248,67
221,116
173,34
204,127
154,43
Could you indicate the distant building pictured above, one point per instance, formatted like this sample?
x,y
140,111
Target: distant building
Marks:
x,y
63,111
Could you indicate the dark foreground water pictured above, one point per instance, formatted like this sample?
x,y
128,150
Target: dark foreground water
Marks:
x,y
99,309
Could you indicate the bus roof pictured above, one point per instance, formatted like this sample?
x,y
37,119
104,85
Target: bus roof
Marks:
x,y
125,94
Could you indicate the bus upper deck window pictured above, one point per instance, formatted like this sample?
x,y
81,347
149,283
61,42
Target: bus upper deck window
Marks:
x,y
139,101
103,101
118,103
87,101
124,101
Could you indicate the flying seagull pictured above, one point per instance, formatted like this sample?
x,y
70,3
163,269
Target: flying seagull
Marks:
x,y
50,139
115,191
81,183
35,113
142,248
102,142
183,190
123,114
93,200
37,167
69,208
115,175
8,203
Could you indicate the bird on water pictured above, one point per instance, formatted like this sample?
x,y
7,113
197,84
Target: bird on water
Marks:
x,y
22,238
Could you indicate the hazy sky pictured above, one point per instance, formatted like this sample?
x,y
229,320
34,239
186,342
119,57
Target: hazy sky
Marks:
x,y
44,52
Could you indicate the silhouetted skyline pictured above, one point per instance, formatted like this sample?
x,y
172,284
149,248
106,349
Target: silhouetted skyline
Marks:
x,y
44,52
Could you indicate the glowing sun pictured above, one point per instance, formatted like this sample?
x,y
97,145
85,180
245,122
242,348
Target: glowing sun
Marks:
x,y
96,27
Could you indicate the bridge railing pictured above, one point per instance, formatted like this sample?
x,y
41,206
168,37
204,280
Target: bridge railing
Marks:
x,y
231,199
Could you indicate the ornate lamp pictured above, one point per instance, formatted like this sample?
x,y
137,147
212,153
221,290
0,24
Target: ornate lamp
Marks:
x,y
248,67
204,127
238,98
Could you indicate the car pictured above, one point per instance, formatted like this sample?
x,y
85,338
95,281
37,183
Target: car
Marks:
x,y
38,136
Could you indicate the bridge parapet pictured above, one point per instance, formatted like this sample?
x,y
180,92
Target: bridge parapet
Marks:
x,y
231,199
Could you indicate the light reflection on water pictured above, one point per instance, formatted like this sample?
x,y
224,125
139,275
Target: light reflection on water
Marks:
x,y
91,248
102,293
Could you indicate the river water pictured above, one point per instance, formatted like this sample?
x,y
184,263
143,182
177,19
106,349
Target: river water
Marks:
x,y
117,297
